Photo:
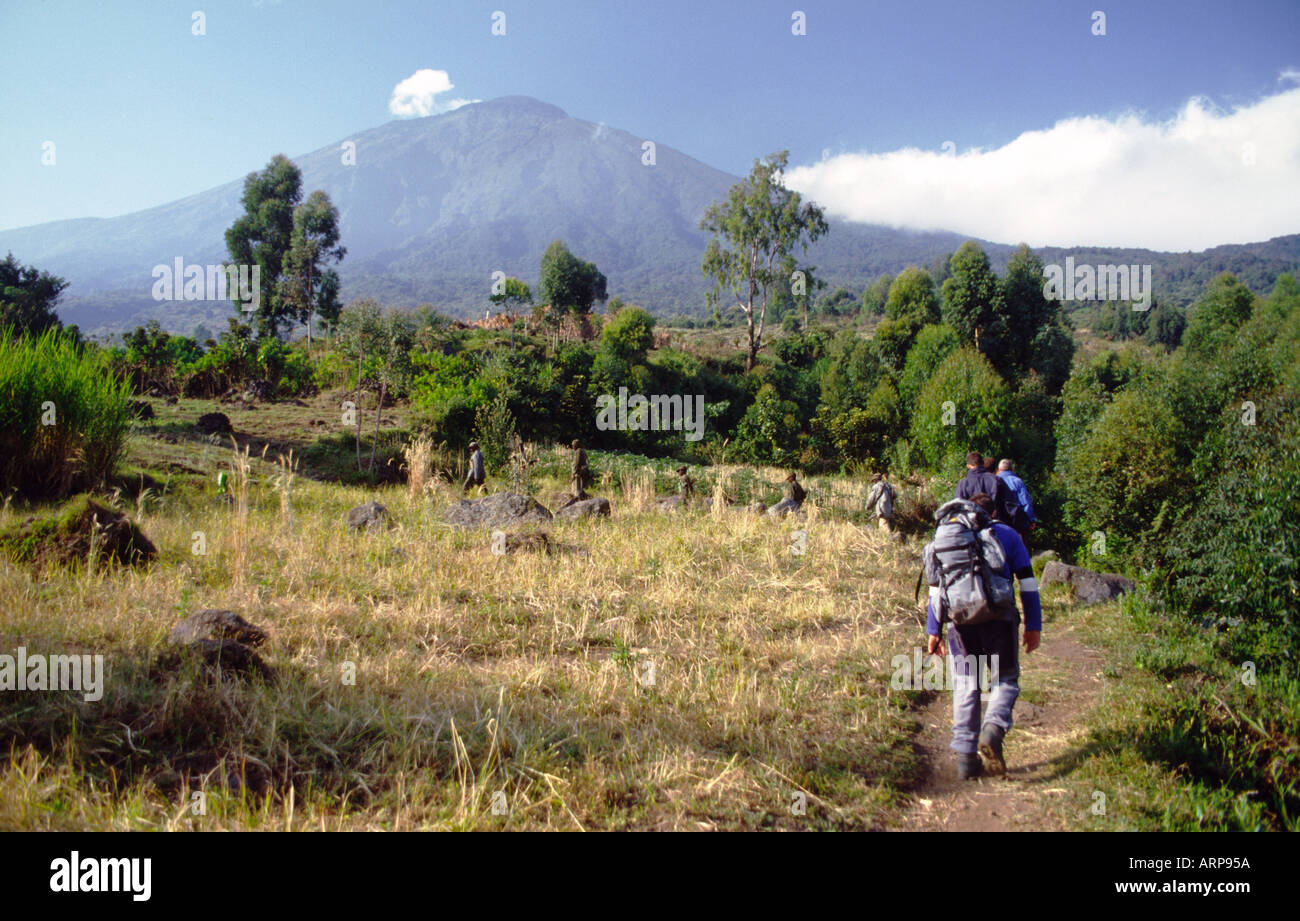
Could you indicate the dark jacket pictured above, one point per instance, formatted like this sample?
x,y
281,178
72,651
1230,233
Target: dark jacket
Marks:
x,y
979,480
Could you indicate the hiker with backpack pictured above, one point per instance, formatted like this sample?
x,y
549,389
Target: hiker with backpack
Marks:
x,y
791,501
476,476
1025,521
880,501
980,479
969,567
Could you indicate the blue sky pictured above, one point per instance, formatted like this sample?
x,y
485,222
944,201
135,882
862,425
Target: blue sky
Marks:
x,y
142,112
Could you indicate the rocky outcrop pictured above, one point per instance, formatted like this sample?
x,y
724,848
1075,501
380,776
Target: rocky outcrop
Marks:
x,y
370,515
498,510
594,507
1089,587
221,640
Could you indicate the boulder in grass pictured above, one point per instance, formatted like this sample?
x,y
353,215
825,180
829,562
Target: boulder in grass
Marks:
x,y
214,424
498,510
80,530
221,640
594,507
669,504
217,624
757,508
370,515
1089,587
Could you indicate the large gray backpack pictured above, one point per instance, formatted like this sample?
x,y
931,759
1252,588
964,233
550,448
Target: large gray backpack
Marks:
x,y
964,567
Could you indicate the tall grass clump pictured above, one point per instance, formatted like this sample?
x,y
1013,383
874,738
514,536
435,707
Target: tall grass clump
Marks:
x,y
64,416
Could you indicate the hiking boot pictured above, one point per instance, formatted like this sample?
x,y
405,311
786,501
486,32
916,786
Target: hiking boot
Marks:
x,y
969,767
991,748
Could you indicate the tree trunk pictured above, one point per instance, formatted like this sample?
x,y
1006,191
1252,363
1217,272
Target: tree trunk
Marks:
x,y
357,409
379,413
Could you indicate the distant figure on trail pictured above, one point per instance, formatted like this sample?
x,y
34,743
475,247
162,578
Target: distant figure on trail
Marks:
x,y
476,476
880,501
974,645
685,485
793,499
981,480
581,478
1026,521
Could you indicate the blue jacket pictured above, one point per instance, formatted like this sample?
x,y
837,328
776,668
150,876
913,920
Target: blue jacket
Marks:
x,y
1018,564
1020,491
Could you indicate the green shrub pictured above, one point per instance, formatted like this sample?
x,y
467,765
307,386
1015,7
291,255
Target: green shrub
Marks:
x,y
64,416
982,410
1124,479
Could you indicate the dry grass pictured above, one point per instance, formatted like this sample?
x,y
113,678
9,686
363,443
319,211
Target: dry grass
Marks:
x,y
687,671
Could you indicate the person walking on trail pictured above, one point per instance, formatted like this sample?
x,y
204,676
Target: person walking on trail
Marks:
x,y
973,645
880,501
581,478
685,485
1026,520
979,479
792,500
476,476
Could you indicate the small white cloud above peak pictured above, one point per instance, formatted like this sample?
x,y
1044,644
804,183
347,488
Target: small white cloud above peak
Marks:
x,y
416,96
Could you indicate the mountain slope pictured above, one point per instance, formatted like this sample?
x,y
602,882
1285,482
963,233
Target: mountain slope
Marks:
x,y
433,206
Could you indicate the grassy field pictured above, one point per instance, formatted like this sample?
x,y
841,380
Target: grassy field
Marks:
x,y
709,669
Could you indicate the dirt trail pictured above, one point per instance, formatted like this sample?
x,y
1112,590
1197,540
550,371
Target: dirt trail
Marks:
x,y
1062,678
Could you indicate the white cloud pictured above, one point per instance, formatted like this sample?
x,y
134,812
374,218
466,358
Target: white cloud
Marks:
x,y
1202,178
415,96
1290,75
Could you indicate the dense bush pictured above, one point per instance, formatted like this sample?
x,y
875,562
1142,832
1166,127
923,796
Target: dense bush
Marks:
x,y
64,416
966,390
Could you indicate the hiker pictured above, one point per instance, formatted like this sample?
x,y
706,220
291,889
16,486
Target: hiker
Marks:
x,y
792,500
979,642
880,501
581,478
685,485
979,479
1026,521
988,466
476,475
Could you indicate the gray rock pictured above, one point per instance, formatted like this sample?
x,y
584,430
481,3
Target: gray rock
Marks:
x,y
496,511
1089,587
669,504
221,640
594,507
217,624
1045,557
365,517
758,508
